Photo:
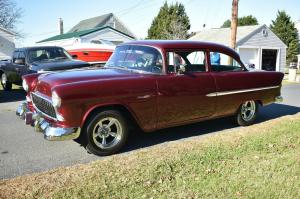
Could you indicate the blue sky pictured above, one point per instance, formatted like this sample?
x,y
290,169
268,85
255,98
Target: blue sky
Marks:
x,y
40,18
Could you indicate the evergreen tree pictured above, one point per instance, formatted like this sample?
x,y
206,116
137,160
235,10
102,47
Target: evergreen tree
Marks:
x,y
171,22
242,21
285,29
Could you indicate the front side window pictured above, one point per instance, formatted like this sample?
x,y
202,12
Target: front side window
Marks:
x,y
15,56
21,55
138,58
221,62
186,61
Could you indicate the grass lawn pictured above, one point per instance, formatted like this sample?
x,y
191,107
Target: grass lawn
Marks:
x,y
14,87
260,161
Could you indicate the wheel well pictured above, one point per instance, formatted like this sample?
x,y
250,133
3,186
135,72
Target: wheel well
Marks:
x,y
259,102
123,110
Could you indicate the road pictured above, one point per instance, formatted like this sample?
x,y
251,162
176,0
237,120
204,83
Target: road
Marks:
x,y
23,151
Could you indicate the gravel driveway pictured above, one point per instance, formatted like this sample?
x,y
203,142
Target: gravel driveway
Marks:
x,y
23,151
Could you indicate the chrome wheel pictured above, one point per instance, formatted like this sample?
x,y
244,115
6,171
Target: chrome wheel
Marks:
x,y
5,83
107,133
248,110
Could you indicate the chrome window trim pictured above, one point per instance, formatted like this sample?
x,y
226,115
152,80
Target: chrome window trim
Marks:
x,y
215,94
38,110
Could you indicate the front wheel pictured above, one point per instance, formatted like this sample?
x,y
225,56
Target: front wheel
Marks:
x,y
247,113
5,83
107,133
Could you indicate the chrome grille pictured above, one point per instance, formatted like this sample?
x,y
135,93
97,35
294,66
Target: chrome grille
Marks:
x,y
43,105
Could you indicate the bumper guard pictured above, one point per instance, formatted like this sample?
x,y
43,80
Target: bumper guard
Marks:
x,y
50,132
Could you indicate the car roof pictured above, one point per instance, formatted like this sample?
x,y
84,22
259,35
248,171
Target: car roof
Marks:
x,y
36,48
184,44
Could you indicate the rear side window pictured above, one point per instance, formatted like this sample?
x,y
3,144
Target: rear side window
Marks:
x,y
221,62
15,56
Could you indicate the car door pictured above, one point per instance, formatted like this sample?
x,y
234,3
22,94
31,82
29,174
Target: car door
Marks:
x,y
10,70
22,69
18,69
232,79
182,94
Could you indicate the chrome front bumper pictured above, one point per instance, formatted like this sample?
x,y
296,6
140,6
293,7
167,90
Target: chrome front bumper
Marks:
x,y
50,132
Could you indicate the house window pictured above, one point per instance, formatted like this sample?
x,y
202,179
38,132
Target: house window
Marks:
x,y
265,32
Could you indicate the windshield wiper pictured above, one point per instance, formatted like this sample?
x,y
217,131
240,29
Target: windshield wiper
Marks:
x,y
57,58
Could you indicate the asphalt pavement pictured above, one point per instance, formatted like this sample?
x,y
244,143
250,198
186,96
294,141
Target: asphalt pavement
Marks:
x,y
23,151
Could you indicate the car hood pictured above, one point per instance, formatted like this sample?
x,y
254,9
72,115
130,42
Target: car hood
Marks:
x,y
62,64
47,81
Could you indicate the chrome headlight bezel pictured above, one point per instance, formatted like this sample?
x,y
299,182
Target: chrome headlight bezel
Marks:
x,y
56,100
25,85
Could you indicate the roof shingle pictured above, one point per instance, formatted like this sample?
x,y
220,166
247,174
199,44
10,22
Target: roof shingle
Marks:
x,y
222,35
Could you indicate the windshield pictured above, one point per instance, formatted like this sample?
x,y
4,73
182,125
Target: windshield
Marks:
x,y
102,41
46,54
140,58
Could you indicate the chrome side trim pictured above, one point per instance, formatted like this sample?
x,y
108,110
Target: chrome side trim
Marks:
x,y
215,94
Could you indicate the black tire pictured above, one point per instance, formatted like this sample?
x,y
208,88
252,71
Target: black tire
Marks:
x,y
7,86
93,145
243,120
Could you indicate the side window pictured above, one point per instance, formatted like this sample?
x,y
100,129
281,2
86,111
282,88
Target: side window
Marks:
x,y
15,56
221,62
197,57
21,55
186,61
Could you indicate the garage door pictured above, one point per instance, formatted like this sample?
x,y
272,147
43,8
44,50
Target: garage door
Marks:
x,y
250,56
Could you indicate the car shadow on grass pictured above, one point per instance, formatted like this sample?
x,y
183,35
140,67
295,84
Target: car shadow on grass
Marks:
x,y
14,95
141,140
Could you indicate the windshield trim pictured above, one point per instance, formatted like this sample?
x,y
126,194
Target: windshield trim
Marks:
x,y
140,71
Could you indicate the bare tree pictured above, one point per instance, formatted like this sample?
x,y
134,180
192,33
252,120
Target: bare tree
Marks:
x,y
10,14
176,31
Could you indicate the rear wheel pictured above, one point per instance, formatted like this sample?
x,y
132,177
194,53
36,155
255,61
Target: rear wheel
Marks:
x,y
247,113
5,83
106,133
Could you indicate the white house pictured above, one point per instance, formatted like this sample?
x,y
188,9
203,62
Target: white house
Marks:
x,y
7,43
107,27
256,45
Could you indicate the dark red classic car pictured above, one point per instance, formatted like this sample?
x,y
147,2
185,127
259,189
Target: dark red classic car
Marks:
x,y
149,84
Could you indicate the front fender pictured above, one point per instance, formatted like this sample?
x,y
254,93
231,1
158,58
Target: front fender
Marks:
x,y
79,99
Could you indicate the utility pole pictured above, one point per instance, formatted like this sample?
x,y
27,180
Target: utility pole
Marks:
x,y
61,26
234,21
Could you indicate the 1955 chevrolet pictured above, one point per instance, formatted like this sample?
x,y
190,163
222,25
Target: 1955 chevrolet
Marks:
x,y
149,84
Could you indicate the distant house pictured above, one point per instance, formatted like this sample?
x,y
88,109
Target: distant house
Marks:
x,y
105,27
7,43
256,45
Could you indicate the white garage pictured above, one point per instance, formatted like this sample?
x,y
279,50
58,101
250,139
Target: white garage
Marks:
x,y
257,45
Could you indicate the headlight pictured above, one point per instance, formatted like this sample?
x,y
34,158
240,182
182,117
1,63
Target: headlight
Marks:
x,y
56,101
25,85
